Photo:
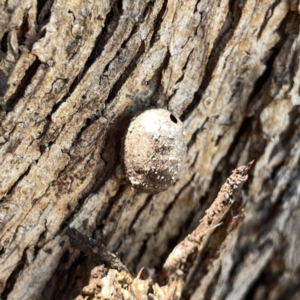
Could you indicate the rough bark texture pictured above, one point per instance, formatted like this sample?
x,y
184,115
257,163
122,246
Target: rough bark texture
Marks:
x,y
73,73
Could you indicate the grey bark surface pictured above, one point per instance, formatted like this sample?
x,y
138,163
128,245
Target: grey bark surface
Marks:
x,y
73,74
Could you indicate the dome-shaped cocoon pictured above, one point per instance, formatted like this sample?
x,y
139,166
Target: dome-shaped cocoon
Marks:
x,y
154,150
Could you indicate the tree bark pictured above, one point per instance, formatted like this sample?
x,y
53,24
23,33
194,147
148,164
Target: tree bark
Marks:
x,y
74,73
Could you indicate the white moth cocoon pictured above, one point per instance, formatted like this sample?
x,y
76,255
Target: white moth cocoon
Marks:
x,y
154,150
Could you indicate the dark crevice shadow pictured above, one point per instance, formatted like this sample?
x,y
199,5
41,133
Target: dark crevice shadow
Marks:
x,y
109,27
172,242
4,43
19,93
138,213
12,279
43,11
233,17
193,139
157,24
23,31
125,75
262,80
269,15
11,190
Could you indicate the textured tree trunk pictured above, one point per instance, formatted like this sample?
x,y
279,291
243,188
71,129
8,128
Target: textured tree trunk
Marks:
x,y
73,73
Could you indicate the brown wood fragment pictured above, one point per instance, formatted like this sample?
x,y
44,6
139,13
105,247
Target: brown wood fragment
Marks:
x,y
183,255
95,249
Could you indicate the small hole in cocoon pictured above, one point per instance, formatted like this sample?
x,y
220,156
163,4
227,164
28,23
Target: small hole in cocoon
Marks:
x,y
173,119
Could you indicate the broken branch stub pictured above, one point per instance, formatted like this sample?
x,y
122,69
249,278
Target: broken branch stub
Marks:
x,y
184,254
171,279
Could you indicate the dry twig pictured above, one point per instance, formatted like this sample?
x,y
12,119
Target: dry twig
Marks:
x,y
184,254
